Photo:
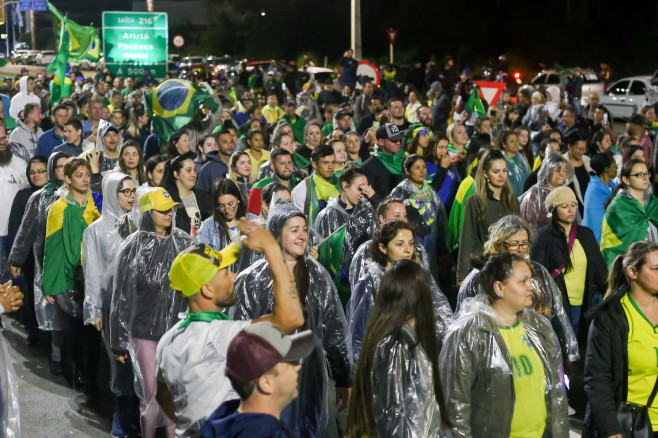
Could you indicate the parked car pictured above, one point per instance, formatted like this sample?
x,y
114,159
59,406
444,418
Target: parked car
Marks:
x,y
45,57
627,96
190,60
548,78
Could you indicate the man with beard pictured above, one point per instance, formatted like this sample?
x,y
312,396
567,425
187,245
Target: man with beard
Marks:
x,y
282,166
13,178
24,137
191,356
425,116
217,162
55,136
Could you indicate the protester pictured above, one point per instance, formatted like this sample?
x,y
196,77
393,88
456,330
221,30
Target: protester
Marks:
x,y
281,163
581,166
500,360
518,168
217,162
632,213
25,136
24,96
620,372
206,145
256,153
571,254
179,144
493,199
599,190
329,366
138,126
179,180
388,400
131,161
441,172
55,136
74,145
154,169
384,168
100,245
240,172
143,307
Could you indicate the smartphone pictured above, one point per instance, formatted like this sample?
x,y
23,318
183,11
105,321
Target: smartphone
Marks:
x,y
375,124
566,96
545,108
605,118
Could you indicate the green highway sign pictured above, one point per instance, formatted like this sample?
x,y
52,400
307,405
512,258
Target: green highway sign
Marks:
x,y
134,42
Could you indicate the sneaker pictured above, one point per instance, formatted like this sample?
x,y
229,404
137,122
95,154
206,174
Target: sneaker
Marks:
x,y
56,367
117,430
571,411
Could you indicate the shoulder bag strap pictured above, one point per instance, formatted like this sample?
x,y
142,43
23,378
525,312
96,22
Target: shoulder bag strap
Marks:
x,y
572,240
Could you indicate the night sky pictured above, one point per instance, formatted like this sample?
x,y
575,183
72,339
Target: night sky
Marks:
x,y
570,32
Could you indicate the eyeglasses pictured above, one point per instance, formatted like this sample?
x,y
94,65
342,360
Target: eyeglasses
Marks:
x,y
37,172
517,245
641,175
128,192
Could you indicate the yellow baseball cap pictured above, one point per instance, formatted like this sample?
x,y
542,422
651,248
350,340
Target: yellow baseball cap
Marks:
x,y
196,265
157,199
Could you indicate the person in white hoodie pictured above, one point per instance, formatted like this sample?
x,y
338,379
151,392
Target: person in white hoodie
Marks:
x,y
23,97
24,137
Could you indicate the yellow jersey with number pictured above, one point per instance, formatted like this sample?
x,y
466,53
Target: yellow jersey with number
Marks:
x,y
642,357
529,418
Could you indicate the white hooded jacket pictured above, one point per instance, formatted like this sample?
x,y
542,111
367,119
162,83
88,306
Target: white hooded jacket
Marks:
x,y
22,98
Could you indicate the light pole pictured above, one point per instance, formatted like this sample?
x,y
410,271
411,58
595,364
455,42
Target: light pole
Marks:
x,y
356,27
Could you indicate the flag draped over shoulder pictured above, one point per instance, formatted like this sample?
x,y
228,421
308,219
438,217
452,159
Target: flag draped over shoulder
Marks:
x,y
330,253
84,40
475,102
626,221
60,86
174,103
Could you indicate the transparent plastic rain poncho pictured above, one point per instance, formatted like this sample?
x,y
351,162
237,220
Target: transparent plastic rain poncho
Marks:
x,y
32,233
361,224
309,414
403,398
546,300
362,257
210,235
477,373
105,164
433,213
363,299
532,202
9,403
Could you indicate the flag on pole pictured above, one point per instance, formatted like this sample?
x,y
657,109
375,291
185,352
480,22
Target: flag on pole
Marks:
x,y
174,103
82,39
475,104
330,253
60,86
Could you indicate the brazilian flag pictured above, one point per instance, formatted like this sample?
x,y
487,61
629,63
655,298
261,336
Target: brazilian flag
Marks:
x,y
475,104
173,105
300,161
330,253
465,190
83,39
626,221
60,86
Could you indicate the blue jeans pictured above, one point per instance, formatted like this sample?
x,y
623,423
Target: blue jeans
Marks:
x,y
574,317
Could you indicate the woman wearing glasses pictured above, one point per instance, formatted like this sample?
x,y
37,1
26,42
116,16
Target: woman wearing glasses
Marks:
x,y
571,254
632,212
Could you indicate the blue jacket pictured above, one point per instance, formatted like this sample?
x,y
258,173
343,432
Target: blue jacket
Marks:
x,y
214,169
225,422
595,198
47,142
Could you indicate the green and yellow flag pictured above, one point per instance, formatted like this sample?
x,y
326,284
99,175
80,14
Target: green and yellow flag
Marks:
x,y
626,221
475,102
330,253
60,86
84,40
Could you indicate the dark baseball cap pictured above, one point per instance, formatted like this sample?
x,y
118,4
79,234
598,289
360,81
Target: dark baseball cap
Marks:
x,y
637,119
259,347
342,113
389,131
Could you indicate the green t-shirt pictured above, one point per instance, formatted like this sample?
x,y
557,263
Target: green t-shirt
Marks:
x,y
529,418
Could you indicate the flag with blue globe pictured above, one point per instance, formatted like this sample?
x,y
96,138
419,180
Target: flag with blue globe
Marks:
x,y
174,104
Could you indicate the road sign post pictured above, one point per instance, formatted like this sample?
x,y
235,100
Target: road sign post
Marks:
x,y
136,42
392,34
32,5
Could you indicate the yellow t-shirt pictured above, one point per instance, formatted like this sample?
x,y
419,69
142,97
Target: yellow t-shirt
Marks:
x,y
529,418
537,163
575,279
642,357
255,164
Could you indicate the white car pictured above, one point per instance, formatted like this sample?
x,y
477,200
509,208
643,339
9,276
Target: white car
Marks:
x,y
547,78
45,57
627,96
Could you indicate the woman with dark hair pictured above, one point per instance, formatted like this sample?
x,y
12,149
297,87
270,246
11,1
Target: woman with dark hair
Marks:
x,y
442,174
256,153
600,188
387,399
571,254
525,145
154,169
394,240
206,144
500,362
131,161
220,229
420,140
518,167
239,171
600,143
313,412
179,180
137,128
37,176
632,212
179,144
144,307
351,210
620,366
493,199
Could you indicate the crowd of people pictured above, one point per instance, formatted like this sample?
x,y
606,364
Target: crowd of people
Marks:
x,y
486,259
